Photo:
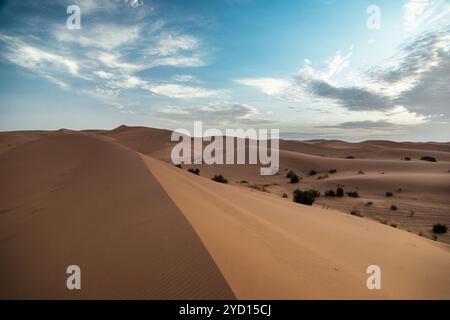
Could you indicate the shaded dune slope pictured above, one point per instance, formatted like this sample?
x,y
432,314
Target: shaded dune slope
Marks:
x,y
75,199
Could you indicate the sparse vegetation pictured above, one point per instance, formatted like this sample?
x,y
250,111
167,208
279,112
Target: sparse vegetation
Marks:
x,y
180,166
353,194
332,171
195,171
306,197
356,212
312,172
369,203
407,158
350,157
360,172
399,190
219,178
290,174
440,228
394,207
434,237
339,192
389,194
325,176
429,159
259,187
244,181
294,179
285,195
411,213
330,193
394,225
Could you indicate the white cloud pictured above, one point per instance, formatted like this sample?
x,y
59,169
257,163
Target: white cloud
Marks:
x,y
170,44
181,91
269,86
36,58
218,113
104,36
103,75
420,13
183,77
114,61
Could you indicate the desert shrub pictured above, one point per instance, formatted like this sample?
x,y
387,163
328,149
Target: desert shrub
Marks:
x,y
394,207
353,194
325,176
194,171
339,192
332,171
244,181
399,190
434,237
369,203
428,158
330,193
306,197
394,225
294,179
411,213
179,166
312,172
389,194
285,195
219,178
360,172
350,157
407,158
356,212
290,174
440,228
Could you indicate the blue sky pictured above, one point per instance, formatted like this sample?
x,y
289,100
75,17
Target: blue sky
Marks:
x,y
313,69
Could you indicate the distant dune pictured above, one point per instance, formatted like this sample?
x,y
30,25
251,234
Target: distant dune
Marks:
x,y
110,202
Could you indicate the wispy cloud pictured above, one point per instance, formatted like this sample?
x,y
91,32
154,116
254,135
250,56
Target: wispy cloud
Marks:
x,y
269,86
420,13
219,113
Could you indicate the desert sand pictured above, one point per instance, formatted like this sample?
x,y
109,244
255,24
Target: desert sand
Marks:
x,y
110,202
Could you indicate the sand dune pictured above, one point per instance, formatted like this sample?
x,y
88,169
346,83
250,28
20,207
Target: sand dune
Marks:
x,y
73,199
140,228
284,250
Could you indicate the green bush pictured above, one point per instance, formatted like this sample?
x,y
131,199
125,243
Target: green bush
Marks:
x,y
180,166
428,158
306,197
356,212
330,193
219,178
440,228
195,171
353,194
294,178
339,192
290,174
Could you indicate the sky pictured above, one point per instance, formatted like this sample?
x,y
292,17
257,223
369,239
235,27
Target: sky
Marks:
x,y
318,69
